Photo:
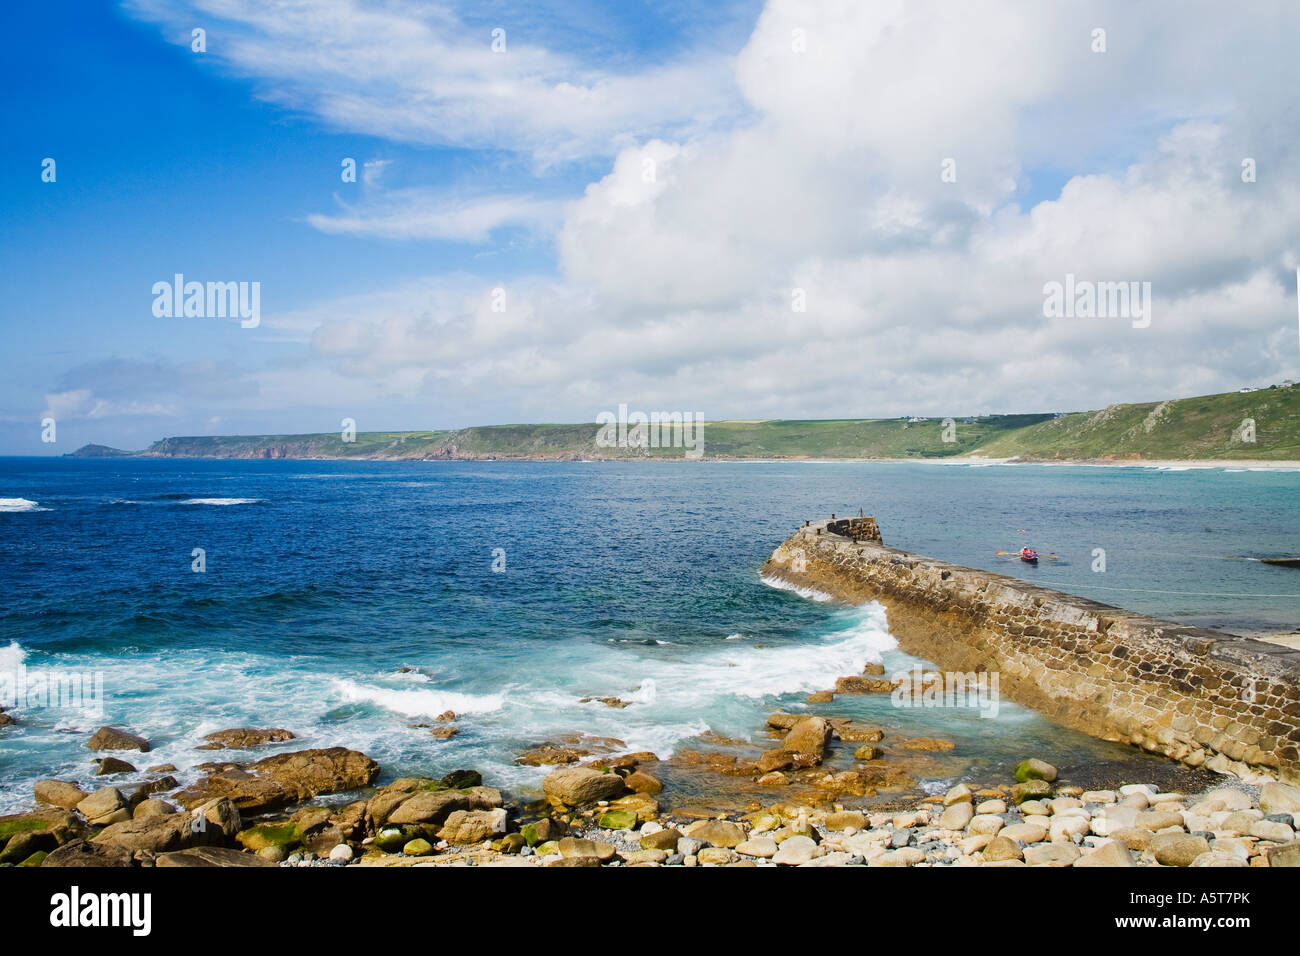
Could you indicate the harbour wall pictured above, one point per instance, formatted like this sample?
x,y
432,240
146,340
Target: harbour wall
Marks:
x,y
1202,697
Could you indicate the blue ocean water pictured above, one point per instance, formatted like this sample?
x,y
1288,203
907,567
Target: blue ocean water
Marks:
x,y
346,601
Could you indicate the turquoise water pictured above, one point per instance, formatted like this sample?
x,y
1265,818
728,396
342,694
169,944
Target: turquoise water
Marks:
x,y
325,579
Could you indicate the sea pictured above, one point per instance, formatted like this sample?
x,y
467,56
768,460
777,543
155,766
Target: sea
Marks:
x,y
352,603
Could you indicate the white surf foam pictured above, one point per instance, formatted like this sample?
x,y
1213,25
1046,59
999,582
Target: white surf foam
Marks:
x,y
804,592
221,501
20,504
11,658
419,703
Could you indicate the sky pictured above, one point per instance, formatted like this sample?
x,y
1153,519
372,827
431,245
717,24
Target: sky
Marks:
x,y
779,209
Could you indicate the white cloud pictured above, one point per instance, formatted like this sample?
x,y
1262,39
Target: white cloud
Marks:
x,y
428,214
674,289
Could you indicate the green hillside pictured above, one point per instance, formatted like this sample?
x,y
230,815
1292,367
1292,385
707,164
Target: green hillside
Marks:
x,y
1210,426
1207,427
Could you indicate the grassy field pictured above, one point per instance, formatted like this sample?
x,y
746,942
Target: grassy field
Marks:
x,y
1208,427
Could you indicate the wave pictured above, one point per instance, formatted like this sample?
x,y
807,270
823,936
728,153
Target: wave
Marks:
x,y
804,592
19,504
11,658
221,501
419,703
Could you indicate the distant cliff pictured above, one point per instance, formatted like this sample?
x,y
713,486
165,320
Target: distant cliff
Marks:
x,y
1260,425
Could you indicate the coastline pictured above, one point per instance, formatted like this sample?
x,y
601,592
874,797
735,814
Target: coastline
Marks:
x,y
1174,464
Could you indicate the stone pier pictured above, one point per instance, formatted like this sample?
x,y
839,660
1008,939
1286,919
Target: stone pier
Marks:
x,y
1203,697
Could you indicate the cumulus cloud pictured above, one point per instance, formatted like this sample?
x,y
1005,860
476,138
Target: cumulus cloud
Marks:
x,y
681,270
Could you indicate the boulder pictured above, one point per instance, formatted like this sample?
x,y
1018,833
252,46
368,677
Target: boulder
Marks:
x,y
795,851
111,765
957,816
211,856
1035,769
102,803
846,820
863,685
928,744
1051,854
154,834
717,833
435,807
1279,798
417,847
111,738
284,779
1133,837
717,856
23,845
217,820
580,786
463,779
617,820
1286,855
56,821
1000,848
546,830
820,697
773,760
82,853
808,736
1024,832
1032,789
545,755
852,732
152,808
473,826
242,738
1158,820
665,839
762,847
59,793
1111,853
641,782
1177,849
577,848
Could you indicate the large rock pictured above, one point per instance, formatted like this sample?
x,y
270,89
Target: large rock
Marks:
x,y
153,834
101,804
242,738
81,853
1051,854
1000,849
473,826
1035,769
59,793
956,816
717,833
863,685
278,781
210,856
61,824
1279,798
216,821
808,736
21,846
436,807
1177,849
1113,853
111,738
579,786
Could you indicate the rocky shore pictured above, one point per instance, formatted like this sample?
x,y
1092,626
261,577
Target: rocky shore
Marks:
x,y
321,807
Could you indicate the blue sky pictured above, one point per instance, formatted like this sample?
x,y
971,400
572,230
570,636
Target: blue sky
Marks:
x,y
525,172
